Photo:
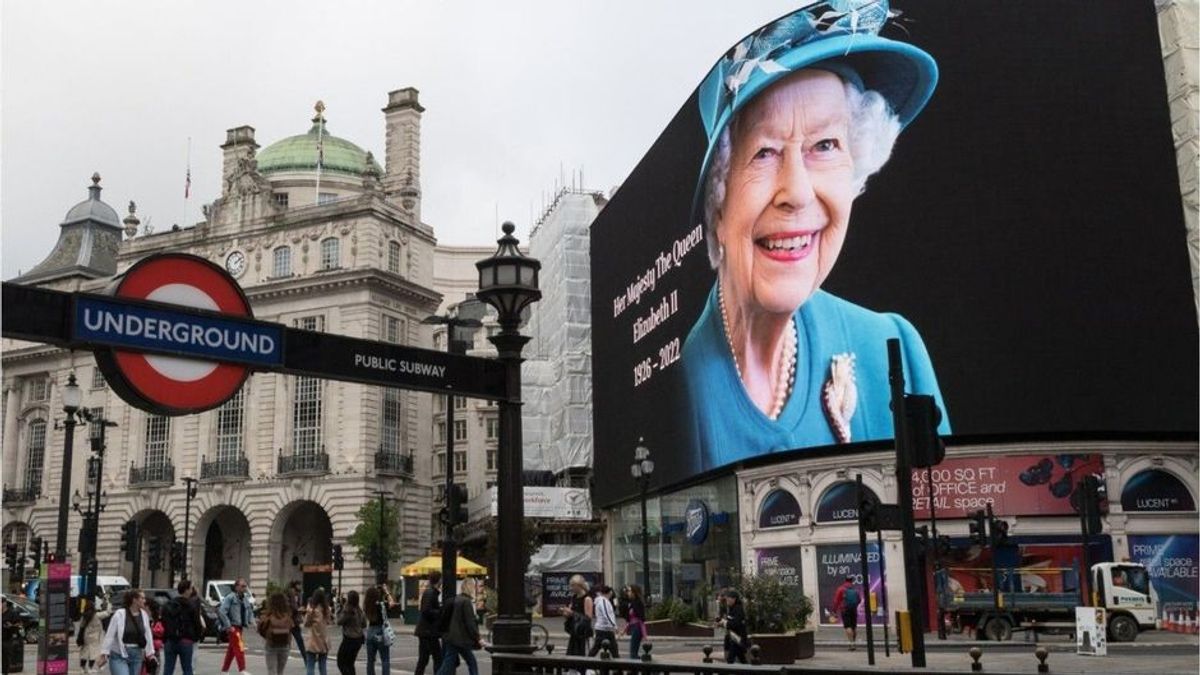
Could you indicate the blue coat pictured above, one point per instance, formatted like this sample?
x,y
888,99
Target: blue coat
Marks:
x,y
728,426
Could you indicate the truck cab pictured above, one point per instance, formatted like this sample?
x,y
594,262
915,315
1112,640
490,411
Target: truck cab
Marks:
x,y
1124,589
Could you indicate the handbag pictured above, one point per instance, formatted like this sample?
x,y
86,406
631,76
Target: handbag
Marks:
x,y
388,635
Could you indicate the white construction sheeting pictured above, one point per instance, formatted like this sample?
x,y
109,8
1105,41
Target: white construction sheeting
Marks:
x,y
565,558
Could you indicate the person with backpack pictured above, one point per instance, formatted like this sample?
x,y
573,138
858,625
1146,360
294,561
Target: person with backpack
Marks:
x,y
845,602
354,624
429,636
460,635
181,629
317,618
275,626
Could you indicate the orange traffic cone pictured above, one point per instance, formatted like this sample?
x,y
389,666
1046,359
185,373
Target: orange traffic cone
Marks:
x,y
1169,622
1194,625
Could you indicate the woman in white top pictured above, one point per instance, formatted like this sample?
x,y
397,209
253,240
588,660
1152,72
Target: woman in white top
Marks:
x,y
605,623
128,642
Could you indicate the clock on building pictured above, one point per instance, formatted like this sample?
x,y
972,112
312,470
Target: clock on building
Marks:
x,y
236,263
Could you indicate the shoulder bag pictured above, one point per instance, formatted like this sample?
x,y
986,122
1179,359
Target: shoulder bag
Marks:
x,y
388,636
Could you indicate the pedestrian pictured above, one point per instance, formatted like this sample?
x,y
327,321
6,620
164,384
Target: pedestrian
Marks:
x,y
737,639
635,623
296,599
845,602
275,626
605,624
150,666
579,617
722,609
182,628
378,644
316,642
91,635
461,636
128,641
13,647
235,614
429,643
354,624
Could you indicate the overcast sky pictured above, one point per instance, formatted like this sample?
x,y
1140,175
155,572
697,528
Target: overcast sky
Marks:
x,y
513,91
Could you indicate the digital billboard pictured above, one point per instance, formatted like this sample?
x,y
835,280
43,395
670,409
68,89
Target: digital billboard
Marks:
x,y
991,183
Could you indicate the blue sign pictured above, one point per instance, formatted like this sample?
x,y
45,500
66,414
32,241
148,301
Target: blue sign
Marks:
x,y
119,324
1174,564
696,517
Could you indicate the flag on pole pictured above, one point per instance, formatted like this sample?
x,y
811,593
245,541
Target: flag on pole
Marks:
x,y
187,184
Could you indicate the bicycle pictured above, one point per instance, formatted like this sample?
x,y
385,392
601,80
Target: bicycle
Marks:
x,y
539,637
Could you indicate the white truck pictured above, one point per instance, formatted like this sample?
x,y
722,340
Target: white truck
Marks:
x,y
215,591
1123,589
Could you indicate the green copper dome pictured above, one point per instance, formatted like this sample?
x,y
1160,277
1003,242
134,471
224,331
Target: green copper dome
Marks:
x,y
299,153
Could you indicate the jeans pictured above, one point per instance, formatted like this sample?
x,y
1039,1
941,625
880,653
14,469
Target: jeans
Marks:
x,y
428,647
635,640
299,638
374,646
126,665
316,660
347,654
181,649
450,654
277,658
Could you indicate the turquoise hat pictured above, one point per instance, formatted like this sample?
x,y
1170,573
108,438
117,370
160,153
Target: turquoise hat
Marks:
x,y
836,35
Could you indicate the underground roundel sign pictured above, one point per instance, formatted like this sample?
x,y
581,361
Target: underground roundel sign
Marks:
x,y
202,359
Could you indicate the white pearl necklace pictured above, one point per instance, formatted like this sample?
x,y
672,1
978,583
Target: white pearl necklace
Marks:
x,y
787,360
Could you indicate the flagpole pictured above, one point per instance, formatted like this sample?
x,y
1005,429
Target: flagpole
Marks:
x,y
320,108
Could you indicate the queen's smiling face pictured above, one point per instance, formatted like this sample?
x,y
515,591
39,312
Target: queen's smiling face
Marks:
x,y
788,193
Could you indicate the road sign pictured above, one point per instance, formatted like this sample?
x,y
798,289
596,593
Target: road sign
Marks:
x,y
187,383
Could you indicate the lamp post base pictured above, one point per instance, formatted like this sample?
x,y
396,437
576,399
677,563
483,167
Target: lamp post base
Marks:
x,y
510,634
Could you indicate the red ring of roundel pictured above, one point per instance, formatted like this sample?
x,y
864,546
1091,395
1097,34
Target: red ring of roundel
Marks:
x,y
216,387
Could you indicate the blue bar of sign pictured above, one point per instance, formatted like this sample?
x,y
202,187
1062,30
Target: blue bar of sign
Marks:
x,y
118,324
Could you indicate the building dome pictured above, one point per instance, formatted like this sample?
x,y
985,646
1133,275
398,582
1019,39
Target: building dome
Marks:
x,y
92,208
299,153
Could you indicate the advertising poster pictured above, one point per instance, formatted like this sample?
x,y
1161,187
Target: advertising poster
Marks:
x,y
54,648
779,509
839,502
748,273
1172,563
834,563
556,589
1014,486
782,562
1155,490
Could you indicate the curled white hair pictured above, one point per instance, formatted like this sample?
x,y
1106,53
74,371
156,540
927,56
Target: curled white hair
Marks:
x,y
874,129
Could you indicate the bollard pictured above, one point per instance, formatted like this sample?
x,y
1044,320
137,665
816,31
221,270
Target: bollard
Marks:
x,y
975,653
755,655
606,649
550,649
1041,653
707,653
646,647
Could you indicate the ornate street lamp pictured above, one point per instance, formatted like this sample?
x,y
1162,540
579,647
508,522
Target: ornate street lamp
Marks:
x,y
641,469
72,398
508,281
458,340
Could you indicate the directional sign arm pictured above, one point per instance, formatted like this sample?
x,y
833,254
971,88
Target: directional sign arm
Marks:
x,y
36,314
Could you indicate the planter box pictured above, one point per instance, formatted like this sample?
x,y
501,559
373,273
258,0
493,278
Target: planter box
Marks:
x,y
668,628
784,648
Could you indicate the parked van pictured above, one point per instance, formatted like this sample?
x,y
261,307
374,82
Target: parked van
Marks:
x,y
215,591
108,590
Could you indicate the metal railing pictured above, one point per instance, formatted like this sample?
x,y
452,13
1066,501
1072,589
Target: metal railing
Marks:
x,y
236,468
393,463
309,463
152,474
25,495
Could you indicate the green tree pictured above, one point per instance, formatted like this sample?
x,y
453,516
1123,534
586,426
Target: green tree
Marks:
x,y
366,538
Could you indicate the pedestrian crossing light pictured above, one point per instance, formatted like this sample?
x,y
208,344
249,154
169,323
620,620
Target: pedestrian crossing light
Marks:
x,y
458,505
924,416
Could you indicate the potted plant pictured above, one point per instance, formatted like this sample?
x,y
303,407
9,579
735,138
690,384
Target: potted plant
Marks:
x,y
673,617
776,616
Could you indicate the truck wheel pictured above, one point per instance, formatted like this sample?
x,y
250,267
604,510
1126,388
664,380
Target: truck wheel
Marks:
x,y
1122,628
998,629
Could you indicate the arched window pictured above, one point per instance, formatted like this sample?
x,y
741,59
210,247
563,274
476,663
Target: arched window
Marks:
x,y
1156,490
779,509
839,502
282,266
393,257
35,455
331,254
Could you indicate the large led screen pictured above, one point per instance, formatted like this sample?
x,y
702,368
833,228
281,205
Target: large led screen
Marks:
x,y
992,183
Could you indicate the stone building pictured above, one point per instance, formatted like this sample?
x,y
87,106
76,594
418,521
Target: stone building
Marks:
x,y
321,236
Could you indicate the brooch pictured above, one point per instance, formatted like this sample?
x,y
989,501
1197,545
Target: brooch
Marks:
x,y
839,396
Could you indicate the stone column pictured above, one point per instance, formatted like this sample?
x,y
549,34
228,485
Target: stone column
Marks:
x,y
11,434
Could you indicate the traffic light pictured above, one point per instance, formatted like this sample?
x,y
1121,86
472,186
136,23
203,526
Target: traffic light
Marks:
x,y
999,532
35,552
154,553
458,505
176,556
10,556
978,528
129,539
339,562
921,537
868,513
943,546
1094,495
924,416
